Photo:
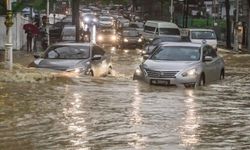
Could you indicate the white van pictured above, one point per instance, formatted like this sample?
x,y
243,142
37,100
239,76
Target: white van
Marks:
x,y
153,29
203,35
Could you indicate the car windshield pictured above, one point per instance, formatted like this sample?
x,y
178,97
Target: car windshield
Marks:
x,y
130,33
203,35
105,19
107,31
69,32
177,53
169,31
68,52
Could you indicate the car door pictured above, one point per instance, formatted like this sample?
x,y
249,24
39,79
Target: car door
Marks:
x,y
217,64
98,51
209,67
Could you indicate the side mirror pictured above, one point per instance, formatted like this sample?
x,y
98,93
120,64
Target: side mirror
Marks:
x,y
97,57
208,58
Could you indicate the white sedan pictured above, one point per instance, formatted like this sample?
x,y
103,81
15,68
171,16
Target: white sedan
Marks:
x,y
187,64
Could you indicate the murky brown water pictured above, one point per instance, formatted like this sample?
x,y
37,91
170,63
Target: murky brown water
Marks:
x,y
118,113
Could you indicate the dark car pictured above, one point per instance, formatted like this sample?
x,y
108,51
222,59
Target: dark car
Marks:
x,y
149,47
106,37
129,37
82,58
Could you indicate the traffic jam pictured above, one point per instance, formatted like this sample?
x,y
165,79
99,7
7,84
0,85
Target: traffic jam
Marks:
x,y
169,54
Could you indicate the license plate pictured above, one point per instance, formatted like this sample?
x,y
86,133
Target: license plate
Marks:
x,y
164,82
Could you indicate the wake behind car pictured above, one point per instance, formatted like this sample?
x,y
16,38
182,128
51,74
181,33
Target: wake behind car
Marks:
x,y
82,58
129,37
185,64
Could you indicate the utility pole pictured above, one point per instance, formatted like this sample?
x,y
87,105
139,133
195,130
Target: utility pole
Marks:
x,y
76,4
47,25
236,40
9,46
172,10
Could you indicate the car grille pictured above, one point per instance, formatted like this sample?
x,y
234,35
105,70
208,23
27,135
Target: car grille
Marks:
x,y
161,74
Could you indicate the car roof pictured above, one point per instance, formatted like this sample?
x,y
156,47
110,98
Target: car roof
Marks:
x,y
184,44
193,29
72,44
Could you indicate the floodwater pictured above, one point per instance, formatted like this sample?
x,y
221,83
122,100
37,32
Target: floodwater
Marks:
x,y
115,112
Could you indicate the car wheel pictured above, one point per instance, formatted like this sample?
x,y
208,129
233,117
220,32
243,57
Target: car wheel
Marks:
x,y
201,81
110,70
91,73
222,75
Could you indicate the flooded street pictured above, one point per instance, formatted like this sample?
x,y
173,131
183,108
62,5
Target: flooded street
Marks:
x,y
116,112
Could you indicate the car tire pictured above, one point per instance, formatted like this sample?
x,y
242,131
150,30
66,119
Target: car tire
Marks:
x,y
222,74
202,81
91,73
110,70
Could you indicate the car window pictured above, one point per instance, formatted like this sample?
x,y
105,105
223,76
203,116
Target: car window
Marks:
x,y
177,53
203,35
130,33
68,52
149,29
209,51
97,51
169,31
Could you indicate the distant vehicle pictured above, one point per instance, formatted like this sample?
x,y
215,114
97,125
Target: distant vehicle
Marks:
x,y
68,33
106,21
153,29
187,64
151,45
81,58
122,23
137,25
129,37
106,37
89,19
203,35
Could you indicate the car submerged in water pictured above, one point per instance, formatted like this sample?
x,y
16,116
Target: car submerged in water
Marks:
x,y
81,58
187,64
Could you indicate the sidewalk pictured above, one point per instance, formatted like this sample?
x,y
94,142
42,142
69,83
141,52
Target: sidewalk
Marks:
x,y
19,57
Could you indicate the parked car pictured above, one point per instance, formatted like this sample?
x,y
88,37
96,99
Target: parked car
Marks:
x,y
129,37
82,58
151,45
68,33
106,37
203,35
187,64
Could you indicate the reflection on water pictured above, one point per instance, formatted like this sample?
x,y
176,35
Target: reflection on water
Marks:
x,y
118,113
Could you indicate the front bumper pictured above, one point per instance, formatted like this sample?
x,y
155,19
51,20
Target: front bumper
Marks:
x,y
177,80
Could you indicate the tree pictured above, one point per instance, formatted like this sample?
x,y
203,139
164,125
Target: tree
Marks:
x,y
228,42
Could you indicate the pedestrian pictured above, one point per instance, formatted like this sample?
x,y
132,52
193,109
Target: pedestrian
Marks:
x,y
87,35
29,40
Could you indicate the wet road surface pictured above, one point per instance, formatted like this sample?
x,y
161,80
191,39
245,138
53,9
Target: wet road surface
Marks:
x,y
116,112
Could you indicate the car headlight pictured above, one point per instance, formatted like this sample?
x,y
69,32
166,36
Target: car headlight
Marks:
x,y
77,70
100,38
113,38
138,71
191,72
139,40
125,40
86,19
95,20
